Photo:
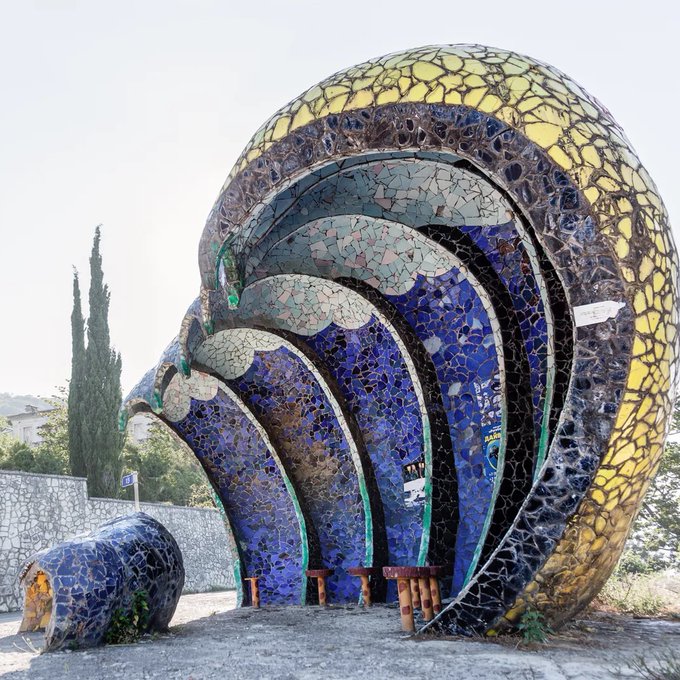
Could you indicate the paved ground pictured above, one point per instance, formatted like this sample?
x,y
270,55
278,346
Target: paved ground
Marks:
x,y
208,638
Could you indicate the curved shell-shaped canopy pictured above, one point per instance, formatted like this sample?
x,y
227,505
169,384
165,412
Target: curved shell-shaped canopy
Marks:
x,y
437,325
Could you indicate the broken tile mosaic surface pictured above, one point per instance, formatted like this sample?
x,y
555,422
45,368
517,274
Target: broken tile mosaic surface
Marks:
x,y
372,369
259,500
423,192
292,401
452,317
464,206
85,580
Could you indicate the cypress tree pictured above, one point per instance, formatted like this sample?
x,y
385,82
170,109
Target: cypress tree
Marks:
x,y
102,441
76,453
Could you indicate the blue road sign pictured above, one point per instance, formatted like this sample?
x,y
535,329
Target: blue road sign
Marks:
x,y
127,480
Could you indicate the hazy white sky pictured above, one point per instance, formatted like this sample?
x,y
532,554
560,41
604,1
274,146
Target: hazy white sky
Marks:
x,y
131,114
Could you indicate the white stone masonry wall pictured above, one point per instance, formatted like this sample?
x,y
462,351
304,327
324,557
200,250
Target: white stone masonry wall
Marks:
x,y
39,511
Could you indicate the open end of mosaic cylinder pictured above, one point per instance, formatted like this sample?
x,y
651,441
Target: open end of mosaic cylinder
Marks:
x,y
37,601
437,326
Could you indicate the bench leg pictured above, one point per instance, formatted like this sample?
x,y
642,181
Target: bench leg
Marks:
x,y
321,588
436,597
426,598
405,607
415,593
365,591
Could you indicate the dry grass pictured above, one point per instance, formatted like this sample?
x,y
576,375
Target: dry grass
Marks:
x,y
664,666
655,594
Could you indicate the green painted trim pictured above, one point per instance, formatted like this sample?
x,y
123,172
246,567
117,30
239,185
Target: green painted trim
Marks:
x,y
500,466
184,366
304,543
354,452
368,519
542,448
545,433
157,402
226,255
427,510
122,419
291,492
231,537
218,261
302,524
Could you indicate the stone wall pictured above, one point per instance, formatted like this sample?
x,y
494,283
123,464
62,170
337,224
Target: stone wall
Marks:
x,y
37,511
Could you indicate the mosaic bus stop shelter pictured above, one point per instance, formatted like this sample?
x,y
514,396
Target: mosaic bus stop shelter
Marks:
x,y
437,324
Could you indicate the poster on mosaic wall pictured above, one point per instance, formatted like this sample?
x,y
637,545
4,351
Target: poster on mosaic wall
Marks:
x,y
414,484
491,435
489,397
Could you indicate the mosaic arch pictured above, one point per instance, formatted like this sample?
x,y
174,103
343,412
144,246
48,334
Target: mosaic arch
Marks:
x,y
437,324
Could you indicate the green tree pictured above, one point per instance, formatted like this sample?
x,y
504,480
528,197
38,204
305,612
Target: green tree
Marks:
x,y
17,456
50,456
5,429
168,471
53,450
75,393
101,394
655,537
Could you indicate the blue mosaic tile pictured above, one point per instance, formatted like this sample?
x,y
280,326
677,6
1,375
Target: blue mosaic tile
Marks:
x,y
317,450
257,497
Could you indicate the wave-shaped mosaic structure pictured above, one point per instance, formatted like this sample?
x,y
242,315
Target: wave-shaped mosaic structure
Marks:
x,y
437,325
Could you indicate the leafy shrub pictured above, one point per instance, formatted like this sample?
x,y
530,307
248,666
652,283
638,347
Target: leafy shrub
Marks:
x,y
633,563
15,455
533,627
129,626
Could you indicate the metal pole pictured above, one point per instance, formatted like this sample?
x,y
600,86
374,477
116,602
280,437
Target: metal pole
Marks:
x,y
136,487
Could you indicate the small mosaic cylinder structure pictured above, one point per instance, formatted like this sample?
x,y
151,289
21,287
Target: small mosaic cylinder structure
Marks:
x,y
73,590
437,325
